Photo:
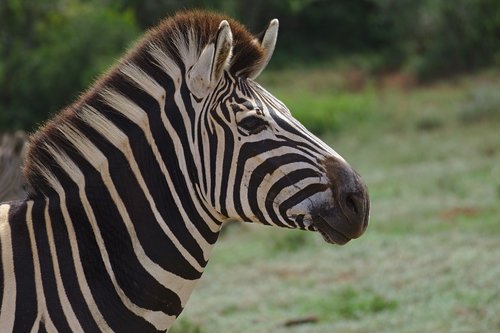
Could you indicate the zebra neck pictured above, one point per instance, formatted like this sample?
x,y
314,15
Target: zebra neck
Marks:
x,y
123,167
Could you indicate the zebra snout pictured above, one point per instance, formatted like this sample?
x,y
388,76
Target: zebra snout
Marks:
x,y
356,208
347,217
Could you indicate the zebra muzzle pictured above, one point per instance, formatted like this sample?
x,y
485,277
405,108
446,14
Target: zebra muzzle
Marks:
x,y
346,216
336,228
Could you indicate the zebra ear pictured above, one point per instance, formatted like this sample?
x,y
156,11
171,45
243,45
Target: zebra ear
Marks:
x,y
267,40
208,69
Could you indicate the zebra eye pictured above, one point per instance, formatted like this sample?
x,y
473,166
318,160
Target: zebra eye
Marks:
x,y
253,124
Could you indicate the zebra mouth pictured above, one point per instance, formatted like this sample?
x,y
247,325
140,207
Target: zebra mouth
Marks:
x,y
329,233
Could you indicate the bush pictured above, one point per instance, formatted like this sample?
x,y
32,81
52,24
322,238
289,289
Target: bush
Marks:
x,y
435,38
328,112
49,66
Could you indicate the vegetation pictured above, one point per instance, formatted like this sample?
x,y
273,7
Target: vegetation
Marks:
x,y
428,261
51,50
185,326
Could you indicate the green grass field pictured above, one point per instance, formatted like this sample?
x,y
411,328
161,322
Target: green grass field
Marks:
x,y
430,259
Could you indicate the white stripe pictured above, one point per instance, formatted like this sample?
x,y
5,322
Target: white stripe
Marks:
x,y
8,309
249,166
41,303
219,164
145,82
231,181
71,318
167,64
188,48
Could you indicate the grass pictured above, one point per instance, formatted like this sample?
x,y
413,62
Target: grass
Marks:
x,y
184,325
321,105
429,261
347,303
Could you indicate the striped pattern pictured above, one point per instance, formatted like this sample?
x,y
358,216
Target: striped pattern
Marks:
x,y
132,183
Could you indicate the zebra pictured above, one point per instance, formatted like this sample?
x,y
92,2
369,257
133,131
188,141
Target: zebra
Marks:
x,y
130,185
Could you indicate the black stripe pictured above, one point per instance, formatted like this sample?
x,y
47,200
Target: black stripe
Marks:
x,y
300,196
144,100
226,164
190,112
148,64
42,329
291,178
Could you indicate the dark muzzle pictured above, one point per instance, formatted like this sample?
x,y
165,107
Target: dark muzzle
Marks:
x,y
347,216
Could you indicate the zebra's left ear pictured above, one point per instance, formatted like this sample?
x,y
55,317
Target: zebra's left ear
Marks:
x,y
208,69
267,40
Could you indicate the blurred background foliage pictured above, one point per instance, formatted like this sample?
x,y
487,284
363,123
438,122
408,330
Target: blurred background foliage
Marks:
x,y
50,50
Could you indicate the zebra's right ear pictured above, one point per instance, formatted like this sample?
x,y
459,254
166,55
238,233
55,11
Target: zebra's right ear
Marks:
x,y
208,69
267,40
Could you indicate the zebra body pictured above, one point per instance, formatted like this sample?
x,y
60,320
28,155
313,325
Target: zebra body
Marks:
x,y
130,185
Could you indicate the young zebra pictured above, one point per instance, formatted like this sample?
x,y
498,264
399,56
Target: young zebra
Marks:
x,y
130,185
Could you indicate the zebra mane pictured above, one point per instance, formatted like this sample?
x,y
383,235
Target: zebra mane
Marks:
x,y
173,46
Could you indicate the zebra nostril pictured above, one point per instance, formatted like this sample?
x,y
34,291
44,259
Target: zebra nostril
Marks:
x,y
353,203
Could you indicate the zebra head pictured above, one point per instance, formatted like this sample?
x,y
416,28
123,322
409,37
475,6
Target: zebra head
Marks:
x,y
258,163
